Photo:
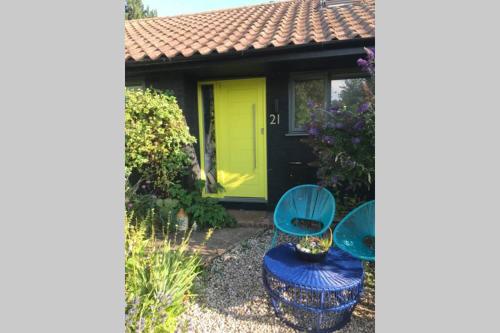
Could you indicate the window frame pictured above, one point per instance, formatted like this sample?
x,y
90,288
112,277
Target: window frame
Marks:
x,y
327,76
294,77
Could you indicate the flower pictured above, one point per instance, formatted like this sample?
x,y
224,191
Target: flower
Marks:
x,y
164,298
334,109
370,54
310,104
368,64
313,130
364,64
338,111
339,125
363,107
355,140
359,125
328,139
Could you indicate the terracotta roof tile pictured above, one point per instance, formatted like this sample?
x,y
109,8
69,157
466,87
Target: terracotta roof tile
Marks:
x,y
221,48
274,24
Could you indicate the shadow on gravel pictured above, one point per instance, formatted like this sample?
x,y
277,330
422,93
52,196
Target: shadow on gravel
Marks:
x,y
232,286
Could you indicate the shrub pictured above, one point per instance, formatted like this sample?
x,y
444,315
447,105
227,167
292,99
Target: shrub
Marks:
x,y
156,135
158,280
158,212
343,139
206,212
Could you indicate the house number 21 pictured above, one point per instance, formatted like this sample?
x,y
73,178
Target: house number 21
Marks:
x,y
274,119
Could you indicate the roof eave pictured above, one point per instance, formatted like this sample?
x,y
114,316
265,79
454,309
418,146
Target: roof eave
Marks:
x,y
336,48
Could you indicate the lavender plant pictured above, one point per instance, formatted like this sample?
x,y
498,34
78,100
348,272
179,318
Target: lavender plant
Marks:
x,y
158,280
343,139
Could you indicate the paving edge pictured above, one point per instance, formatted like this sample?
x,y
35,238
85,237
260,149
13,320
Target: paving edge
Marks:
x,y
258,233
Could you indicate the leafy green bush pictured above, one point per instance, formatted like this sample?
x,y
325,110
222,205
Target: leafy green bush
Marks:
x,y
156,135
206,212
158,280
161,212
158,212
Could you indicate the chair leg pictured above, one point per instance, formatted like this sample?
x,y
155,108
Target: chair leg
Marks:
x,y
275,237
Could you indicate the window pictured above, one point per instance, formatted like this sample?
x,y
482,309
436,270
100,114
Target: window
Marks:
x,y
347,94
313,91
210,158
307,91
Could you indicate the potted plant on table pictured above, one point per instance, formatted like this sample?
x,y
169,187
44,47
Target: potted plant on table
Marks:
x,y
314,248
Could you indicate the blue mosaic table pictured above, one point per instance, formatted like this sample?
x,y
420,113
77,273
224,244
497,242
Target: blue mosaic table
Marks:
x,y
314,297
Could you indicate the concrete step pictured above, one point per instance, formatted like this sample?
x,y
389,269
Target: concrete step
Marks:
x,y
263,219
252,218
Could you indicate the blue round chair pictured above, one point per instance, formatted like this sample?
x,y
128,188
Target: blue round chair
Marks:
x,y
310,203
355,234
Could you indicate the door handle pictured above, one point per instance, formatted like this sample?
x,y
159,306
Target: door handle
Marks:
x,y
254,139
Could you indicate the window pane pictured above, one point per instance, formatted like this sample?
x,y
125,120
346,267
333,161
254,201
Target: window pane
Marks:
x,y
347,94
209,138
307,93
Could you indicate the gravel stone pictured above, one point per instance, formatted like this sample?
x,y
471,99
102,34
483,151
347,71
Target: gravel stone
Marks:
x,y
232,298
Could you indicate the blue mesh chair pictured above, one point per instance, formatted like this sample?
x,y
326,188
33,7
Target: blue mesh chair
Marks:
x,y
355,234
310,203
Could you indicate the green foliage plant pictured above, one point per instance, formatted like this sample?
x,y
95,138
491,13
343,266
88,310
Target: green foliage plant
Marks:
x,y
205,211
157,216
315,245
156,136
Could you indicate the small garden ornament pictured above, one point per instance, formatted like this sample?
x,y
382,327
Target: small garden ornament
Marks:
x,y
182,220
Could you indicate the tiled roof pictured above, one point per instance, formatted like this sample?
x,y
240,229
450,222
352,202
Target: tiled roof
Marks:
x,y
276,24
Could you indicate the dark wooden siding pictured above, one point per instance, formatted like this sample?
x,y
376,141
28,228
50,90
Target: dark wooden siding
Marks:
x,y
288,156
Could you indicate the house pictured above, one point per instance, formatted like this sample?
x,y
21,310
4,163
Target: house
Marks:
x,y
246,77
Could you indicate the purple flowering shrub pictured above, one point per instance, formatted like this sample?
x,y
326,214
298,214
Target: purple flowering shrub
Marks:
x,y
343,139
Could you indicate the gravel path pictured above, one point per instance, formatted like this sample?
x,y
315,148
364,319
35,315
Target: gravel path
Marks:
x,y
233,299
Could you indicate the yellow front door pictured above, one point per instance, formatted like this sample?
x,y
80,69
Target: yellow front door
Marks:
x,y
240,136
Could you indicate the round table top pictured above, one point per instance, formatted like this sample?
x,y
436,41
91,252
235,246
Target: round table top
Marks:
x,y
338,271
